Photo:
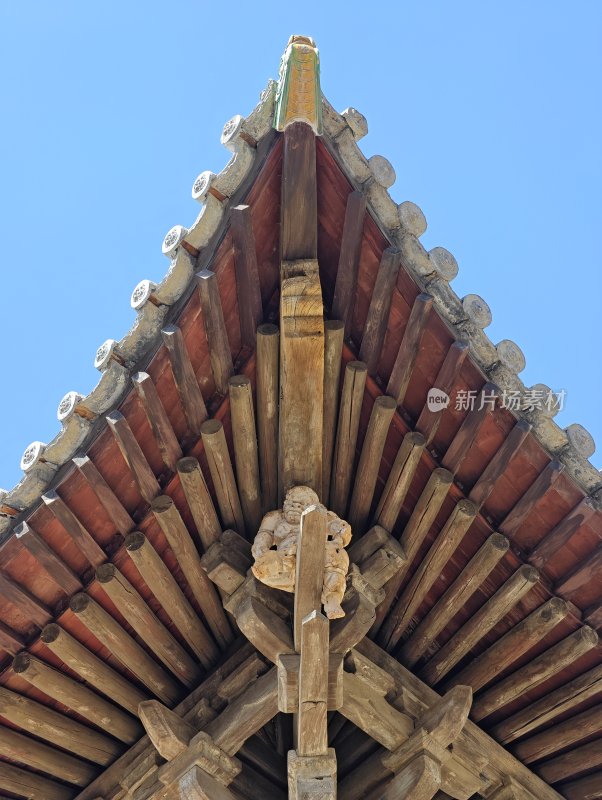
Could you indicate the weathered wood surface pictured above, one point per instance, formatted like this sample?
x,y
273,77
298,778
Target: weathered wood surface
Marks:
x,y
30,606
588,788
301,376
486,618
46,759
575,762
419,780
510,647
149,628
549,663
417,528
109,501
197,784
299,203
264,629
56,728
77,697
309,577
547,708
399,480
350,408
248,288
163,432
135,459
561,534
222,475
447,377
368,467
92,669
187,385
333,348
429,570
312,734
312,777
215,329
74,529
199,501
48,560
268,385
499,463
534,494
561,736
349,259
465,585
169,733
409,348
124,648
166,589
204,591
585,574
246,455
31,785
378,312
368,709
468,432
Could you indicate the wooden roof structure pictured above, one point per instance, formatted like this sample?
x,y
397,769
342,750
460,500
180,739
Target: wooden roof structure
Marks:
x,y
294,340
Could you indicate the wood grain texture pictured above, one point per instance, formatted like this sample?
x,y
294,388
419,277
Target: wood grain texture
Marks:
x,y
378,312
248,289
349,259
215,329
187,385
268,386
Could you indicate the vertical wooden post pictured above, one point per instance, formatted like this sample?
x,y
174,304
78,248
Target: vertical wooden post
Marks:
x,y
268,369
309,577
245,450
334,331
248,290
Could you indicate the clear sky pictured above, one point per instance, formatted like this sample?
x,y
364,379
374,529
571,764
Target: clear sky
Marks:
x,y
490,113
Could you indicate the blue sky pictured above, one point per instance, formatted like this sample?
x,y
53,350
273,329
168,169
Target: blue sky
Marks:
x,y
490,113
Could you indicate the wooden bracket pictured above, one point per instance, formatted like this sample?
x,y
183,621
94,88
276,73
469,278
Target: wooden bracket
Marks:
x,y
312,777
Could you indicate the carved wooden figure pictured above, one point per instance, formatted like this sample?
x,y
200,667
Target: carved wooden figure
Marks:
x,y
275,549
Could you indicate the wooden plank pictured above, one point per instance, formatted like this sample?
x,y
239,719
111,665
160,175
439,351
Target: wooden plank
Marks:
x,y
562,533
247,714
268,385
199,501
108,499
215,329
588,788
169,733
299,203
424,514
378,312
166,589
81,538
349,259
47,724
248,287
367,708
301,376
429,571
549,707
483,621
447,377
92,669
369,463
48,560
521,511
549,663
469,431
350,409
155,635
124,648
518,641
244,438
187,385
180,541
32,608
39,756
163,432
312,734
77,697
409,348
561,736
465,585
498,464
333,349
309,576
222,475
31,785
586,757
135,459
584,575
399,480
